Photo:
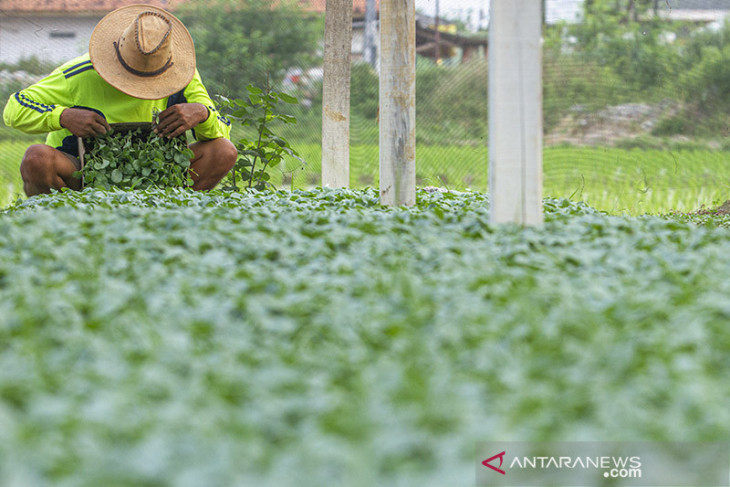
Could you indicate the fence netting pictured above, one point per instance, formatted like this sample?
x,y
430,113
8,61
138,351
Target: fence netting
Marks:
x,y
635,92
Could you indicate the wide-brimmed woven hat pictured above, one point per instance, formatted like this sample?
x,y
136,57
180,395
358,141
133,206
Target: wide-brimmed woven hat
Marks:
x,y
143,51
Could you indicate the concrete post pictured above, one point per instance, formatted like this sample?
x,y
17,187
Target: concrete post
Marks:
x,y
336,94
397,102
515,112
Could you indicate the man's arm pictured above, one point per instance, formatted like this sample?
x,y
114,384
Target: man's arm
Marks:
x,y
44,106
33,114
37,109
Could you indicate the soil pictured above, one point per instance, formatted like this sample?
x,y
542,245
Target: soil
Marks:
x,y
723,209
611,124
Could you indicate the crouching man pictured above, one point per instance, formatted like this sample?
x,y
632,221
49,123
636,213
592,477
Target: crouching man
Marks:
x,y
141,59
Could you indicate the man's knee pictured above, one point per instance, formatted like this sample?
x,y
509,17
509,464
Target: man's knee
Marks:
x,y
213,160
37,162
220,154
226,153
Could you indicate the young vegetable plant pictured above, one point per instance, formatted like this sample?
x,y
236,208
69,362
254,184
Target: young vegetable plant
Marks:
x,y
265,150
136,159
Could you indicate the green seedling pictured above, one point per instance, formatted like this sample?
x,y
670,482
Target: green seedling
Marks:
x,y
261,149
136,159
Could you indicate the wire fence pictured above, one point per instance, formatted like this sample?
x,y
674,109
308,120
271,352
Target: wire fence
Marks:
x,y
635,92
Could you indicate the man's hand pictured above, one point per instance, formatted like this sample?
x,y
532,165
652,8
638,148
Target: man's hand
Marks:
x,y
84,123
179,118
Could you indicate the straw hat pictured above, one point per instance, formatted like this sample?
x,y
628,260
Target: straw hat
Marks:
x,y
143,51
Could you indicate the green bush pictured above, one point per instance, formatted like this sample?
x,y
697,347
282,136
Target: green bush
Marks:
x,y
31,65
569,81
678,124
612,58
452,103
364,91
707,83
242,42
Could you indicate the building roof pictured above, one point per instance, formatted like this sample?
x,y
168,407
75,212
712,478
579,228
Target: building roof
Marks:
x,y
103,6
358,6
77,6
695,10
699,4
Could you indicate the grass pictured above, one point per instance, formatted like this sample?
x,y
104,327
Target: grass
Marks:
x,y
11,185
619,181
637,181
316,338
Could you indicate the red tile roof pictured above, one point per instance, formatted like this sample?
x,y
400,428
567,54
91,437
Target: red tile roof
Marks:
x,y
77,6
358,6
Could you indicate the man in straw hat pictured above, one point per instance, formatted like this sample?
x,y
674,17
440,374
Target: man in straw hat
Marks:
x,y
141,59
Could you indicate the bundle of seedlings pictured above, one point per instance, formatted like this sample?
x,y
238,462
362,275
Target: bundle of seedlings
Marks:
x,y
133,156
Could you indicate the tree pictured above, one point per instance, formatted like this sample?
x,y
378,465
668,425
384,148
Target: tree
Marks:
x,y
242,42
636,51
623,10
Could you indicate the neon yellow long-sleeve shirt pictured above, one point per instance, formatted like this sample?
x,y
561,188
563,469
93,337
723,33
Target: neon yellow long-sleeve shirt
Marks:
x,y
76,84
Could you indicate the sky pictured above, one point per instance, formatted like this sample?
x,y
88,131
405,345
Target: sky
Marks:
x,y
469,10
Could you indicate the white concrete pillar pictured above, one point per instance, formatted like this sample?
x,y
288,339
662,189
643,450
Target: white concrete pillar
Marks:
x,y
336,94
515,112
397,102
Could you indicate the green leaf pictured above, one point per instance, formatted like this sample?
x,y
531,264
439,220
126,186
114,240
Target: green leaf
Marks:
x,y
181,158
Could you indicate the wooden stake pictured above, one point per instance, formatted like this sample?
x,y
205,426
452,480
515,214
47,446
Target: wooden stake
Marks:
x,y
336,94
397,102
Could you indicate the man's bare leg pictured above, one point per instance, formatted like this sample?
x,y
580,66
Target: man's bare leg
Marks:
x,y
44,168
213,159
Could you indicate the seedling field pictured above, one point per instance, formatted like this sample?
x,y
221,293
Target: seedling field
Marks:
x,y
310,338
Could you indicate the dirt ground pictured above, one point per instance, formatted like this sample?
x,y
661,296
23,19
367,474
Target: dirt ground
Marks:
x,y
613,124
723,209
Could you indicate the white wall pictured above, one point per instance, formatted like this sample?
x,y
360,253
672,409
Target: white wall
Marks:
x,y
50,38
558,10
476,12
